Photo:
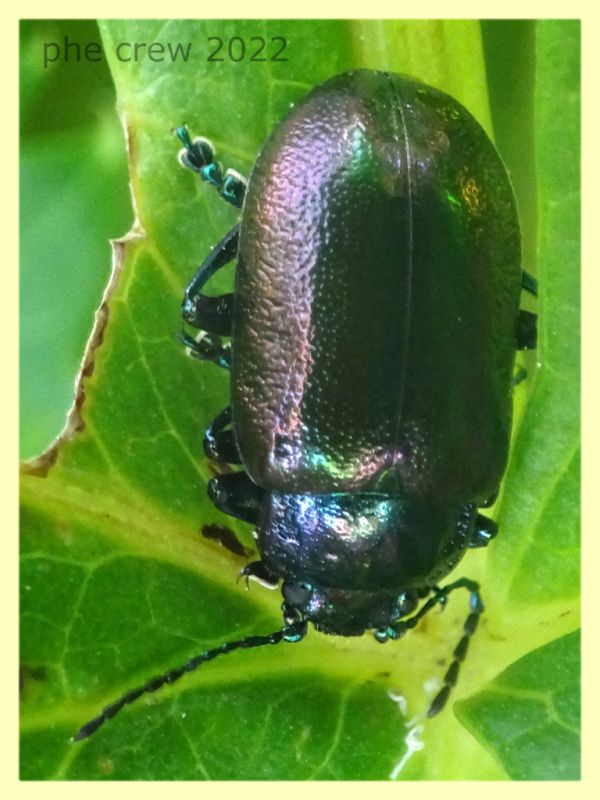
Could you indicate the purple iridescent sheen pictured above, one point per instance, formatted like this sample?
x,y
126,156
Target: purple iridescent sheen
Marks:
x,y
376,297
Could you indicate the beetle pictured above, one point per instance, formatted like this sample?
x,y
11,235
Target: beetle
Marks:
x,y
373,330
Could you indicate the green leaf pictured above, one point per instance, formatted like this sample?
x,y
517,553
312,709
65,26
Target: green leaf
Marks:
x,y
536,560
118,582
529,715
539,555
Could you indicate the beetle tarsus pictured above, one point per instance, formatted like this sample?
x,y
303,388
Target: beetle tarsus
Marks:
x,y
258,572
235,494
526,330
207,348
529,283
198,155
219,440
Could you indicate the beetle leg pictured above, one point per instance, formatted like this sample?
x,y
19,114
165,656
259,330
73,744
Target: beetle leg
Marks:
x,y
257,571
519,376
207,348
485,530
476,606
211,314
199,156
526,330
235,494
527,322
219,439
529,283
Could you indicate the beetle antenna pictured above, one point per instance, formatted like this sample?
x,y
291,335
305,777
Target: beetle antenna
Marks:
x,y
440,597
476,608
289,633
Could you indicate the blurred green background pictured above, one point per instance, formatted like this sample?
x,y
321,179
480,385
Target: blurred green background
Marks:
x,y
74,198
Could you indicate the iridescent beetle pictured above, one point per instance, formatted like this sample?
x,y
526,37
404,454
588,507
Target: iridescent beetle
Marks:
x,y
374,326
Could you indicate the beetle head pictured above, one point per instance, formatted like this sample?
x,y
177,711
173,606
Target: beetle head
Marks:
x,y
346,612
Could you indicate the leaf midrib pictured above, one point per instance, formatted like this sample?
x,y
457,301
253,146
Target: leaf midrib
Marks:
x,y
137,527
